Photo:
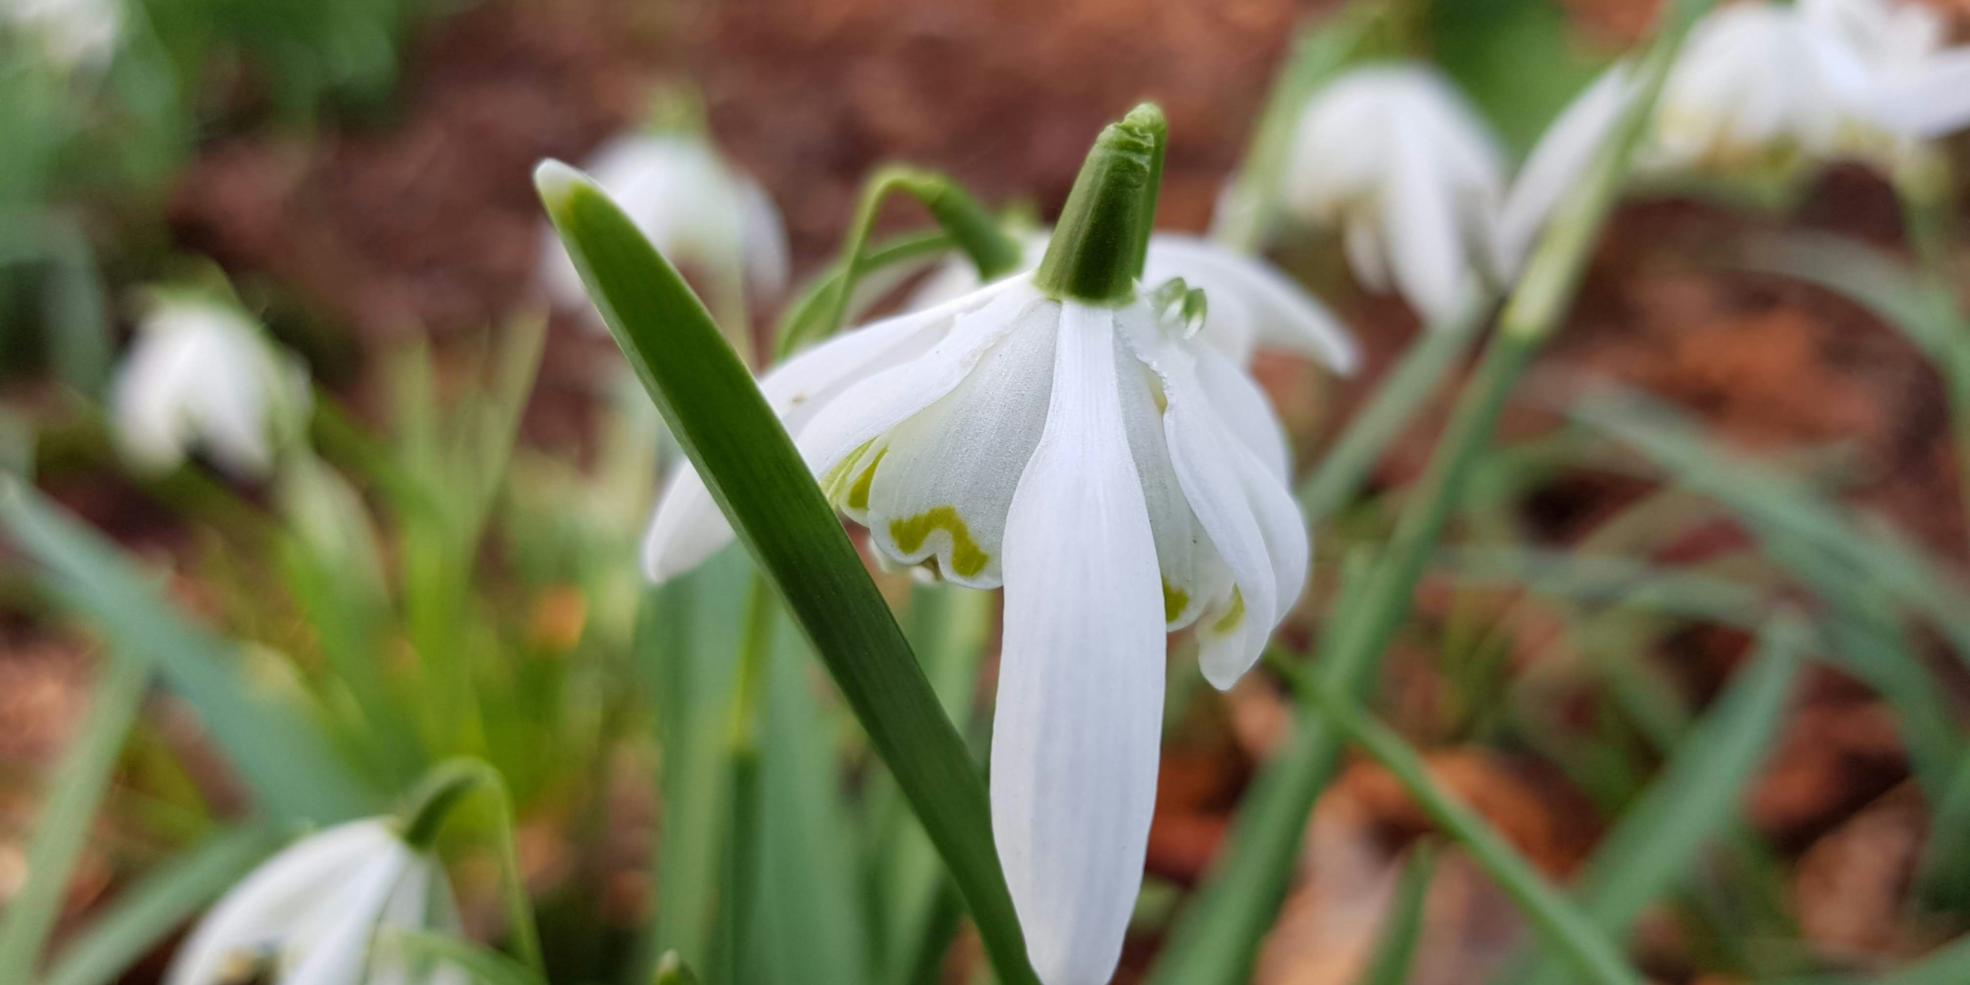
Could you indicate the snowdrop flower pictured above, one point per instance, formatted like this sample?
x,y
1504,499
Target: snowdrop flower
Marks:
x,y
1393,158
316,913
1913,85
1251,305
1060,434
71,34
202,373
691,204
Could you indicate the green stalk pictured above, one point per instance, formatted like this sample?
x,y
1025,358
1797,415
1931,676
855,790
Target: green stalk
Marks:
x,y
738,900
975,231
443,789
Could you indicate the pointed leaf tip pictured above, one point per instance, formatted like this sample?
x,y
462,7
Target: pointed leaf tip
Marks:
x,y
556,182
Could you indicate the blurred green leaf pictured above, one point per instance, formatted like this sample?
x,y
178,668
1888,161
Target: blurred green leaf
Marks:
x,y
1402,925
157,904
1662,834
284,758
68,814
717,414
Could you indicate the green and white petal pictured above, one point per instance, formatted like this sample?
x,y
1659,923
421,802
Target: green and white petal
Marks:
x,y
868,409
939,487
1075,737
1192,573
687,526
255,914
1251,304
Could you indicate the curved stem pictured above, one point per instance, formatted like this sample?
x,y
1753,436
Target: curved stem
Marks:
x,y
443,789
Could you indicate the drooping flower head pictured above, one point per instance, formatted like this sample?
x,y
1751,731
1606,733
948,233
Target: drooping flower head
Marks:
x,y
1064,434
1395,160
69,34
202,374
692,204
1252,306
319,913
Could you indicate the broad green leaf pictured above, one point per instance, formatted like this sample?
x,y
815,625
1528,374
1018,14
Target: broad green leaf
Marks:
x,y
1663,833
68,815
283,757
717,414
155,905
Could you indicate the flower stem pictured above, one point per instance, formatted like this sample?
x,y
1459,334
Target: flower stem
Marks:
x,y
738,899
975,231
442,790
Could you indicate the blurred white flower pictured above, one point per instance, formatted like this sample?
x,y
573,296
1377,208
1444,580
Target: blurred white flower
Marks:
x,y
1913,84
1399,163
1558,162
701,212
70,34
1251,305
319,913
202,373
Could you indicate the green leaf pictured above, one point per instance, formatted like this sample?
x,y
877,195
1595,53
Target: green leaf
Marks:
x,y
67,817
150,909
1664,832
1863,274
483,965
1402,927
717,414
288,762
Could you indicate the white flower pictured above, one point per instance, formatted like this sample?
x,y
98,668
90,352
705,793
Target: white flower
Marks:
x,y
700,211
71,34
202,373
1251,305
319,913
1121,481
1914,85
1397,161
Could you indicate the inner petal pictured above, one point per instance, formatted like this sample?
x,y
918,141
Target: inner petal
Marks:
x,y
1193,575
939,488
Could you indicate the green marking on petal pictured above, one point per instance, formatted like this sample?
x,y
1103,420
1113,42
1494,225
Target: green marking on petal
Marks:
x,y
836,484
1175,600
967,558
858,494
1232,616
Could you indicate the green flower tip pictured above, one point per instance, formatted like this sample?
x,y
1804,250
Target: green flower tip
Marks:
x,y
1098,247
556,182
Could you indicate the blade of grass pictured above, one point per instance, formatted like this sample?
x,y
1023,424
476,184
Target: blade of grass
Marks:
x,y
1695,797
1402,927
67,817
289,764
150,909
717,414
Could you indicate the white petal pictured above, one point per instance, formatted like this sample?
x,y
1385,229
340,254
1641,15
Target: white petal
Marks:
x,y
153,425
255,912
1426,249
1560,161
764,241
945,479
1074,742
1932,102
339,952
1192,574
872,406
1279,312
1367,253
1244,410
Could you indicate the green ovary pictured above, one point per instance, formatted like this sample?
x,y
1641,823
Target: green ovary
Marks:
x,y
967,558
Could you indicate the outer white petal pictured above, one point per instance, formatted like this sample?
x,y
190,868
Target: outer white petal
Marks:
x,y
1074,743
1425,242
233,405
868,409
1559,161
1237,286
763,240
1242,406
149,411
274,896
1929,102
687,527
338,952
1208,463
